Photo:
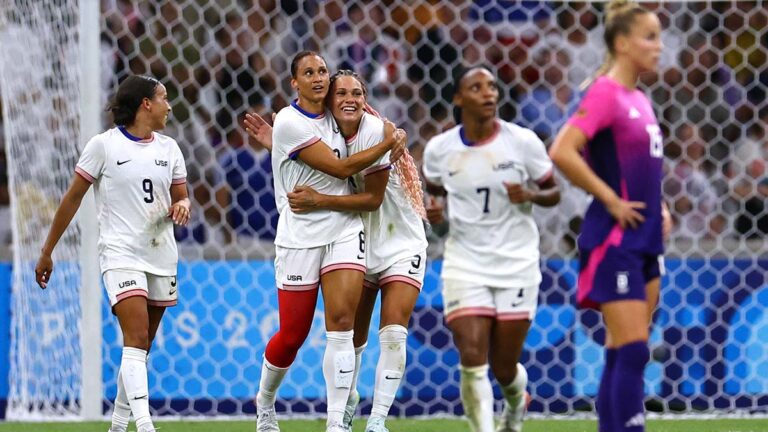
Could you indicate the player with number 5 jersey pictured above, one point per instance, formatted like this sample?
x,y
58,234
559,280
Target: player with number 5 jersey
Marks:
x,y
139,178
492,172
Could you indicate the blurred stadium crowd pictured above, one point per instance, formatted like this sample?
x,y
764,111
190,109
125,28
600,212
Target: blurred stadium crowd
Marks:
x,y
222,58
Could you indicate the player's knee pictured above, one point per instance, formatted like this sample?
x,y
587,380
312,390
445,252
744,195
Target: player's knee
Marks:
x,y
396,317
340,321
472,355
136,338
634,356
292,341
504,374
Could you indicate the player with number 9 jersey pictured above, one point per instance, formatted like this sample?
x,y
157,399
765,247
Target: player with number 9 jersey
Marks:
x,y
132,178
139,179
390,203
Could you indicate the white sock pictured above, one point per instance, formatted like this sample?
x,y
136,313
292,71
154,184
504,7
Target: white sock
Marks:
x,y
133,368
390,368
338,369
271,377
121,414
356,374
514,393
477,397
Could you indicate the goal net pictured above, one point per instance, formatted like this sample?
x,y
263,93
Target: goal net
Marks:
x,y
41,120
222,58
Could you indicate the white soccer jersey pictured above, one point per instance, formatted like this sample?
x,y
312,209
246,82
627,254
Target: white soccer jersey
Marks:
x,y
132,182
491,241
294,130
394,231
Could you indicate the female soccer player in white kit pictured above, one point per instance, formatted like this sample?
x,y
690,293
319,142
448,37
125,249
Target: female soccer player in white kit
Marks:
x,y
321,248
139,178
396,242
491,269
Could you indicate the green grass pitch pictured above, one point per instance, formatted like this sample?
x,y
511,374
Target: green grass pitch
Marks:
x,y
725,425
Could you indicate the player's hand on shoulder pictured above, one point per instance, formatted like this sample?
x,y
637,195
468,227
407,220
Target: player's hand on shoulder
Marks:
x,y
303,199
517,193
259,129
179,213
434,210
43,270
626,213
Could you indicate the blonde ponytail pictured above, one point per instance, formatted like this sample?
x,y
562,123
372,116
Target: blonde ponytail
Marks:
x,y
619,16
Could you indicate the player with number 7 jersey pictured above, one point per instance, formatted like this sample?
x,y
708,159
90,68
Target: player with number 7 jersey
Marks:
x,y
492,172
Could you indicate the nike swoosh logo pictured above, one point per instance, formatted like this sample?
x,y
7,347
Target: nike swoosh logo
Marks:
x,y
346,372
141,397
516,304
172,292
123,162
452,173
390,378
413,272
361,257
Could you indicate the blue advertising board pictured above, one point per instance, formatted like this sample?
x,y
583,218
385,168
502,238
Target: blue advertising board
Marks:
x,y
708,341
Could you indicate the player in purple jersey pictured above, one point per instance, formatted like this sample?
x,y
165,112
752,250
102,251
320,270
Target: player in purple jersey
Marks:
x,y
612,148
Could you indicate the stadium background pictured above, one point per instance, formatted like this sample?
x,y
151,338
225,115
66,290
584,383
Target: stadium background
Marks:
x,y
220,59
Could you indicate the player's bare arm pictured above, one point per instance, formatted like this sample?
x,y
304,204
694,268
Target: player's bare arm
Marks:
x,y
304,199
547,195
70,202
434,211
565,153
259,130
322,158
180,209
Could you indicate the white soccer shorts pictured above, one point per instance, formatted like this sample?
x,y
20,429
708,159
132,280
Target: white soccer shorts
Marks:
x,y
300,269
123,283
409,270
462,298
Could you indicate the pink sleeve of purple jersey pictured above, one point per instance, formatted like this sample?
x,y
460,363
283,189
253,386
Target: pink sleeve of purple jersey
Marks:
x,y
596,109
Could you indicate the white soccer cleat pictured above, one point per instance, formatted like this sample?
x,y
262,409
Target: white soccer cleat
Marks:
x,y
335,427
512,418
266,419
375,424
349,410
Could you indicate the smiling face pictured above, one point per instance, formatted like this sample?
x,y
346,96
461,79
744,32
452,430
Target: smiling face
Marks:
x,y
478,94
158,107
311,79
347,100
642,46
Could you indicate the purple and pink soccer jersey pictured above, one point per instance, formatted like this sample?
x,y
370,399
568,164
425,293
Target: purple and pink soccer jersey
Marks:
x,y
625,150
